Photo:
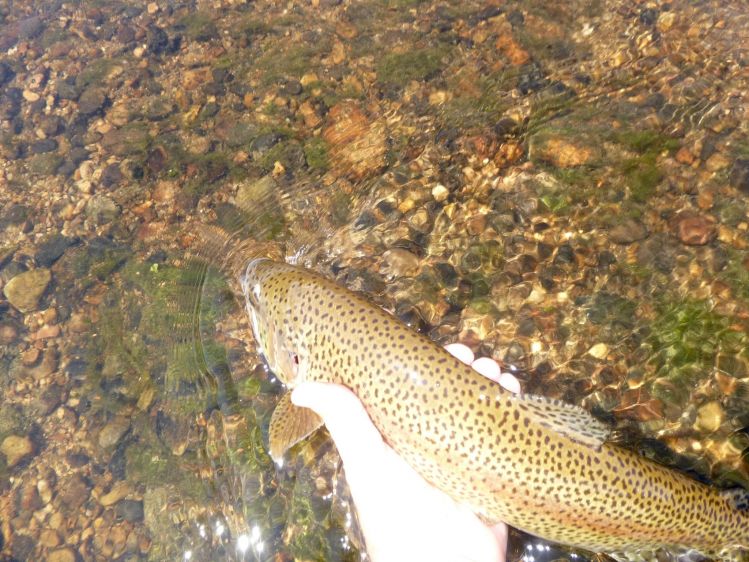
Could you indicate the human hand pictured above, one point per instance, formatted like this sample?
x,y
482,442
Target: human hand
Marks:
x,y
403,517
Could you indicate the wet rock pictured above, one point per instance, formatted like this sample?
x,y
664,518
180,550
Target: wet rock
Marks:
x,y
357,146
6,73
8,332
693,229
92,100
291,88
30,28
157,41
74,492
50,398
126,141
27,497
67,89
25,290
16,449
117,493
125,34
102,209
10,103
43,145
710,417
627,232
740,175
130,510
111,433
45,164
400,263
49,538
560,151
62,555
111,176
11,420
52,125
52,248
22,547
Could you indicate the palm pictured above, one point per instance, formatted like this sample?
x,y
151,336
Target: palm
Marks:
x,y
403,518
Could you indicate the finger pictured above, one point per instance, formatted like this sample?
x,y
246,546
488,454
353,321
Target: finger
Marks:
x,y
344,416
510,382
487,367
460,351
500,532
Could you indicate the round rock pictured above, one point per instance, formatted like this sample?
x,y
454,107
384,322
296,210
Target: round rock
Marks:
x,y
25,290
16,449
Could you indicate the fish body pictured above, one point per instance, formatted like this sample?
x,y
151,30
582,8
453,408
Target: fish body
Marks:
x,y
539,465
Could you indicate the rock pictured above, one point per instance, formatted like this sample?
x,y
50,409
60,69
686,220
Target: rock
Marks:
x,y
117,493
30,27
440,193
52,248
8,332
16,449
561,151
25,290
130,510
709,417
126,141
74,492
693,229
102,209
48,401
111,176
111,433
44,145
599,351
357,146
627,232
62,555
92,100
6,73
399,263
49,538
740,175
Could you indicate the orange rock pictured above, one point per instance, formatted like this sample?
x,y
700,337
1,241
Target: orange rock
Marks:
x,y
512,50
357,146
684,156
693,229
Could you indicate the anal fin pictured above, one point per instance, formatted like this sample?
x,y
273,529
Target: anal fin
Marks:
x,y
289,425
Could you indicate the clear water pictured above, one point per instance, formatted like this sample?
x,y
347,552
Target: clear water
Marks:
x,y
562,188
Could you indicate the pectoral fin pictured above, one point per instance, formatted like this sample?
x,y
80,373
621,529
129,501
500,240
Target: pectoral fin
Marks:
x,y
289,425
566,419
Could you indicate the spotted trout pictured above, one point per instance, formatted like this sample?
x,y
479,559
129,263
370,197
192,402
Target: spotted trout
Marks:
x,y
540,465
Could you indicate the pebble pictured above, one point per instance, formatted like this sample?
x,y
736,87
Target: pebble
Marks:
x,y
739,177
49,538
8,333
440,193
399,263
62,555
74,492
627,232
710,417
130,510
117,493
111,433
693,229
16,449
92,100
599,351
25,290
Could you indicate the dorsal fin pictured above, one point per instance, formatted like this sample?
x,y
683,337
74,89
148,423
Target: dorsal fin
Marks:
x,y
568,420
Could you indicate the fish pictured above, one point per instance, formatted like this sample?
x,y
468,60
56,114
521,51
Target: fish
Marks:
x,y
541,465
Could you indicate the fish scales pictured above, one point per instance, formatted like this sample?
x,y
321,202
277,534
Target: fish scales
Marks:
x,y
473,440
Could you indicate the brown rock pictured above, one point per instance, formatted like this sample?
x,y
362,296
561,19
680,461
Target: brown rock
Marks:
x,y
25,289
693,229
561,151
62,555
16,449
512,50
74,492
627,232
49,538
400,263
684,156
196,77
357,145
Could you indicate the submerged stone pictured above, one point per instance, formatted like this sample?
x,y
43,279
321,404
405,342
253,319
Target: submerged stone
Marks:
x,y
25,290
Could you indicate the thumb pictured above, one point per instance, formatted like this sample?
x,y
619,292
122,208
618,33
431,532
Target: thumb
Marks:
x,y
343,413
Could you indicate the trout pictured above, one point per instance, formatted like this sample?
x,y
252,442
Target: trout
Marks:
x,y
537,464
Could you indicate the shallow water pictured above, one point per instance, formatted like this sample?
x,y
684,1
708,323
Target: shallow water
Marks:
x,y
561,188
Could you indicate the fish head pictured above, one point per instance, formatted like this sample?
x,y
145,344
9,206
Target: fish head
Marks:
x,y
265,293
